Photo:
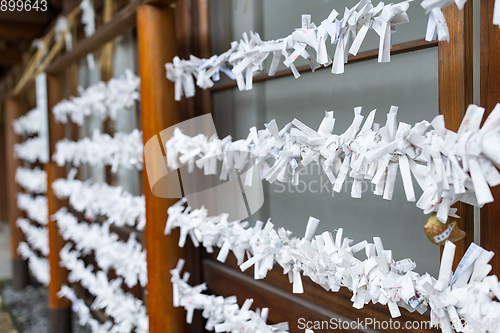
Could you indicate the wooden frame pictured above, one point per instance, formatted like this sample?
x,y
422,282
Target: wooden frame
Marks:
x,y
185,29
490,96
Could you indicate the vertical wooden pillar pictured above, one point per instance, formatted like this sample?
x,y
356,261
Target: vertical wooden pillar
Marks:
x,y
3,173
456,93
156,37
490,96
59,309
19,266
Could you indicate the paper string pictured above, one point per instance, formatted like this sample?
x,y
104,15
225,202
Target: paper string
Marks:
x,y
37,238
448,166
309,42
83,313
128,259
127,311
32,150
38,266
61,30
222,314
120,207
103,100
33,180
28,124
35,207
122,150
329,261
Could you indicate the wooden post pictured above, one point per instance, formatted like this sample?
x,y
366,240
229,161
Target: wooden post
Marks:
x,y
156,38
19,266
59,308
456,93
490,96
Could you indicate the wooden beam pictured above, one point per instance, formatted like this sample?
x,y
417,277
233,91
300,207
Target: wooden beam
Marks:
x,y
15,32
20,276
59,308
157,45
456,93
490,96
123,20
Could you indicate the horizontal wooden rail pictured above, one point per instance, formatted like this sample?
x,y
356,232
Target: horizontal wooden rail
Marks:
x,y
120,23
275,292
401,48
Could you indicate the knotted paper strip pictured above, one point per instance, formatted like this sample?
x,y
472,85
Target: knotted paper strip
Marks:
x,y
103,100
128,259
127,311
33,180
222,314
38,266
121,150
93,199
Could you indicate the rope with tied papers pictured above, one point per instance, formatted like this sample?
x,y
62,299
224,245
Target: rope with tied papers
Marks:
x,y
330,262
448,166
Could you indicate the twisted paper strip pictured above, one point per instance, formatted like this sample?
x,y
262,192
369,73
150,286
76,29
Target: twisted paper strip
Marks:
x,y
448,166
35,207
38,238
436,26
247,56
102,99
29,124
32,150
128,259
222,314
121,208
83,313
124,150
33,180
329,261
127,311
38,266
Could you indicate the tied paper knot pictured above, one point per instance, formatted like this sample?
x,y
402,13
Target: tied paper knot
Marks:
x,y
127,311
62,31
329,261
309,42
32,150
222,314
37,238
128,259
30,123
436,25
103,100
33,180
447,166
35,207
122,150
93,199
38,266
